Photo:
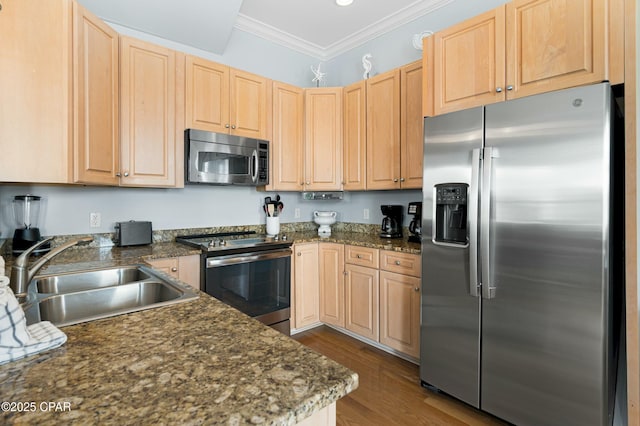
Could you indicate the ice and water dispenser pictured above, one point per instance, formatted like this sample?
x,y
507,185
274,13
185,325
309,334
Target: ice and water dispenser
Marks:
x,y
451,213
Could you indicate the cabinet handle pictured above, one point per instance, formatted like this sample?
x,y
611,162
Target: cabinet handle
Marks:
x,y
299,254
416,289
398,262
345,273
401,179
233,127
174,269
395,180
118,174
509,88
308,183
226,126
498,89
126,174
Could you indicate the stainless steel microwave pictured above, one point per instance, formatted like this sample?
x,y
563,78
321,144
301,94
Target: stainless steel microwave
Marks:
x,y
221,159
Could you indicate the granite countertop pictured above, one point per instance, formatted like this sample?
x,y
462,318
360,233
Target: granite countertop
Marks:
x,y
199,362
357,239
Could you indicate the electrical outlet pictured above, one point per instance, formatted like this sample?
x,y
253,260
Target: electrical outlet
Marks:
x,y
365,214
296,213
94,220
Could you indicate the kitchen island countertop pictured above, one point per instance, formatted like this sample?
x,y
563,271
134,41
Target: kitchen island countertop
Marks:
x,y
199,362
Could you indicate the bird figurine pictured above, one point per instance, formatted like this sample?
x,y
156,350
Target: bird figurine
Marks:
x,y
319,75
366,64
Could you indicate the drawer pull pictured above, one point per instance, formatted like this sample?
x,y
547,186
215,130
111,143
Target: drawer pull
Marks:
x,y
398,262
299,254
174,269
358,256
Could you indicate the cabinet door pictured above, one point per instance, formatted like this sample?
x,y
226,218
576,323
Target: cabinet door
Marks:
x,y
552,45
96,76
36,92
323,139
307,285
411,124
148,104
287,143
249,104
383,131
469,63
331,263
400,312
207,95
184,268
361,310
355,137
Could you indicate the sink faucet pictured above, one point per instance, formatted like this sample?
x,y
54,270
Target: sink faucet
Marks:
x,y
21,275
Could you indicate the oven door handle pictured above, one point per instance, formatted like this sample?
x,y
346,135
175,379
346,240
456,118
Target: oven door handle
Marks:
x,y
235,259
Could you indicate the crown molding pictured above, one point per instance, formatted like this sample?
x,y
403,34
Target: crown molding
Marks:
x,y
389,23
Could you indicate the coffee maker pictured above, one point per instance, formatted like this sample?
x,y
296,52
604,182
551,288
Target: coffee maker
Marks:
x,y
392,221
415,227
26,212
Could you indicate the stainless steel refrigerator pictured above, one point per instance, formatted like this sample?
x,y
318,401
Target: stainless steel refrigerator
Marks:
x,y
520,257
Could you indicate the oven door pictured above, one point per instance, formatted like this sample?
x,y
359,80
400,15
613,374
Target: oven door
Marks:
x,y
210,162
258,284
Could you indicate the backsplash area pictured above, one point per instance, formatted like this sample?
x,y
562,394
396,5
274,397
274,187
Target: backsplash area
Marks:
x,y
66,209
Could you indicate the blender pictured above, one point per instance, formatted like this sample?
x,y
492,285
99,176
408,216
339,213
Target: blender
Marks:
x,y
26,211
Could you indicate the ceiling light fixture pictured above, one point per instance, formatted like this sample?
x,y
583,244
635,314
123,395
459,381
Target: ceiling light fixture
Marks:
x,y
344,2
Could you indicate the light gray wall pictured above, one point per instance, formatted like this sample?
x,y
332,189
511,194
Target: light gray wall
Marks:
x,y
395,48
246,52
66,209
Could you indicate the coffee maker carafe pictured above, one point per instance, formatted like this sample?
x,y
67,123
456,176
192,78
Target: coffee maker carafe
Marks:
x,y
26,212
392,221
415,227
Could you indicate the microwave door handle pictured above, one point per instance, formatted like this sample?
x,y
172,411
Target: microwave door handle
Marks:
x,y
254,165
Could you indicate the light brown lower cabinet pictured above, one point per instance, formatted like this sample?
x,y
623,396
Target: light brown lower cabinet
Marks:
x,y
306,287
331,263
184,268
400,312
361,301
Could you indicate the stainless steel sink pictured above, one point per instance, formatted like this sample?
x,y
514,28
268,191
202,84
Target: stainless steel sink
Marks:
x,y
89,280
75,297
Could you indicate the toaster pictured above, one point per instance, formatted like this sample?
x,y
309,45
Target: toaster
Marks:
x,y
133,233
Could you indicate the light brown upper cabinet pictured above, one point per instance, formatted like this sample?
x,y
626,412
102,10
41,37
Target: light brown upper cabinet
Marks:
x,y
287,141
468,63
36,91
383,131
355,136
323,139
226,100
96,78
151,107
523,48
411,126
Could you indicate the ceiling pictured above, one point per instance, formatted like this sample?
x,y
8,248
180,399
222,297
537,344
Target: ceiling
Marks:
x,y
318,28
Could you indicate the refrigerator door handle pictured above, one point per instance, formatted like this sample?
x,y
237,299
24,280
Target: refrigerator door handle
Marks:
x,y
488,291
473,222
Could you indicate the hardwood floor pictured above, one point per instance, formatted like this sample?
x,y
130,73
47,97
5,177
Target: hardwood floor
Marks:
x,y
389,392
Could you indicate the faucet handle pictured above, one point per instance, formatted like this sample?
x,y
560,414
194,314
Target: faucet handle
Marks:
x,y
23,259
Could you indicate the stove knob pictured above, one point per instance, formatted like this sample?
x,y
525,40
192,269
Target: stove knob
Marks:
x,y
213,243
222,242
275,238
284,238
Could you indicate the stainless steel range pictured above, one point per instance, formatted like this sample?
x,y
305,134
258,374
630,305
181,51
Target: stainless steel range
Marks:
x,y
248,271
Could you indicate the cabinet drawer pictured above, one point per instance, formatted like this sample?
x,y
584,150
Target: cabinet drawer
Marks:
x,y
363,256
402,263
